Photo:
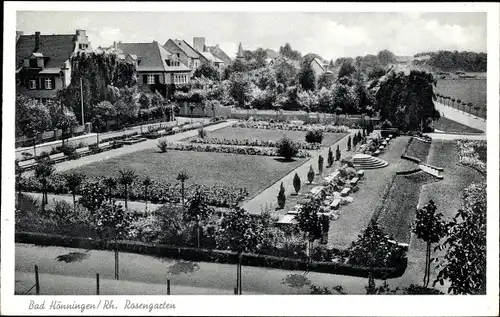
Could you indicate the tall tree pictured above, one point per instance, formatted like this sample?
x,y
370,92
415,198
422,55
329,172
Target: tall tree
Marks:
x,y
110,183
346,70
310,222
198,211
464,264
73,181
240,88
208,71
126,178
306,75
386,57
326,80
43,170
182,177
93,196
430,227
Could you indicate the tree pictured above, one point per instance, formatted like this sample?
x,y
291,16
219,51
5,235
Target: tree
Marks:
x,y
198,211
126,178
287,148
310,222
337,154
288,52
238,232
182,177
355,140
105,111
373,249
320,165
19,172
73,181
61,117
286,74
110,183
330,157
326,80
206,70
296,183
407,101
112,222
240,88
144,101
146,183
281,197
346,70
32,117
349,143
429,227
93,196
306,75
43,170
345,98
386,57
464,264
310,174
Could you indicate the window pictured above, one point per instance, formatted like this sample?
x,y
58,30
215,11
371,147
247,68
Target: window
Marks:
x,y
48,83
33,63
32,83
83,46
151,79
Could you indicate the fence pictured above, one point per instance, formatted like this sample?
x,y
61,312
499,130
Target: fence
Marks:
x,y
49,136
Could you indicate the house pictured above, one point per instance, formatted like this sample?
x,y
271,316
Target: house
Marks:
x,y
185,53
318,68
158,70
201,48
43,64
219,53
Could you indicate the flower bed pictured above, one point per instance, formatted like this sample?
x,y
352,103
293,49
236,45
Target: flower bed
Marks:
x,y
158,193
254,142
473,154
291,127
246,150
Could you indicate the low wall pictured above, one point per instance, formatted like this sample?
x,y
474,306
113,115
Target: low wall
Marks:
x,y
206,255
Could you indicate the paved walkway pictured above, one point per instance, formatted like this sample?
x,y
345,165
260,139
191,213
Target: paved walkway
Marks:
x,y
148,144
91,138
461,117
445,136
269,195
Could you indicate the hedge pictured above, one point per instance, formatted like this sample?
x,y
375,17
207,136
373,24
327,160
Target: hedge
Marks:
x,y
206,255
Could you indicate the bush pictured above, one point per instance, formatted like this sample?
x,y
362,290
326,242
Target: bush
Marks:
x,y
314,136
202,133
253,142
296,183
287,148
281,197
163,145
310,174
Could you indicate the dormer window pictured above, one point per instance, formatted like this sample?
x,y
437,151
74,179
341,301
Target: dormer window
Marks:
x,y
33,62
83,46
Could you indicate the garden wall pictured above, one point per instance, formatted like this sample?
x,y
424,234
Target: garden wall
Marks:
x,y
217,256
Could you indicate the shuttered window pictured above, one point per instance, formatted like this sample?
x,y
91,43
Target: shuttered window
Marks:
x,y
32,83
144,79
48,83
151,79
157,79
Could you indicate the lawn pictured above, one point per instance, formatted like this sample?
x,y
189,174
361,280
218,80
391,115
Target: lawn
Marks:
x,y
450,126
398,212
355,216
250,171
418,149
275,135
468,90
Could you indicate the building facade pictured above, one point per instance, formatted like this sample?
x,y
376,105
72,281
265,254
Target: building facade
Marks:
x,y
43,65
185,53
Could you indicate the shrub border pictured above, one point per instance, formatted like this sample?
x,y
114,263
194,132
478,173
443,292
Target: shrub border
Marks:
x,y
207,255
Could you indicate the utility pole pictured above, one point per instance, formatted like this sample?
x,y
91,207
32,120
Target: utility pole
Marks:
x,y
81,99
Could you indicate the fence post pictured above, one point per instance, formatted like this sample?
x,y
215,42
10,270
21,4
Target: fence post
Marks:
x,y
168,287
37,281
235,291
97,285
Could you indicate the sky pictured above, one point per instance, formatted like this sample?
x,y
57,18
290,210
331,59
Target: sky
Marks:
x,y
331,35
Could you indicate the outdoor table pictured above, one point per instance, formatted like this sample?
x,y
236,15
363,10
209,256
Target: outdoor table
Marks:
x,y
361,173
345,192
335,204
354,181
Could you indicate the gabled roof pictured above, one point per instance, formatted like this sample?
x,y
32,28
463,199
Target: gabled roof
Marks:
x,y
186,48
58,48
219,53
151,55
211,57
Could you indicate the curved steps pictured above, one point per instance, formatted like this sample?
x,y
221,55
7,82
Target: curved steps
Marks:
x,y
365,161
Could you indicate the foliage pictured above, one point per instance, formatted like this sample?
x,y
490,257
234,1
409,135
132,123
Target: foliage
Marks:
x,y
163,145
307,79
454,60
345,98
93,195
326,80
464,264
112,221
330,157
202,133
316,290
290,126
206,70
237,231
310,222
346,70
407,100
240,89
373,248
198,210
337,153
287,148
314,136
286,74
288,52
473,153
254,142
320,164
31,116
296,183
310,174
349,143
281,197
386,57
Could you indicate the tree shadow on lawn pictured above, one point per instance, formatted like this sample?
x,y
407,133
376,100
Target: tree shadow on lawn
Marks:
x,y
296,281
283,160
73,257
183,267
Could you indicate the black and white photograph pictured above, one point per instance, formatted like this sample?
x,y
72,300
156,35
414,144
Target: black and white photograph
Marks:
x,y
241,152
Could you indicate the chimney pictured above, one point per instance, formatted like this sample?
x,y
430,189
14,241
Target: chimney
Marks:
x,y
37,41
199,44
115,46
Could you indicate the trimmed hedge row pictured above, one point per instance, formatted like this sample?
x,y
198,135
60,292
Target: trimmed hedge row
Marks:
x,y
253,142
217,256
291,127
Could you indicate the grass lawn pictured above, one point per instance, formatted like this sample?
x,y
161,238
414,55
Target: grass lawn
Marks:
x,y
398,212
418,149
355,216
450,126
275,135
250,171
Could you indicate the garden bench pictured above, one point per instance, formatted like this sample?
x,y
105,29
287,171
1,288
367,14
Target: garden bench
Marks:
x,y
345,192
292,212
329,214
388,139
317,190
104,145
83,151
354,181
59,157
27,164
391,136
384,143
381,148
361,173
287,220
335,204
376,153
297,207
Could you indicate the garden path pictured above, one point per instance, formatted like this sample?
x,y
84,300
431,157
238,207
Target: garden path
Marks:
x,y
461,117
